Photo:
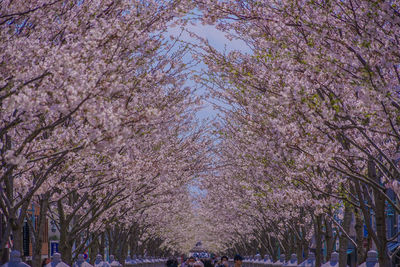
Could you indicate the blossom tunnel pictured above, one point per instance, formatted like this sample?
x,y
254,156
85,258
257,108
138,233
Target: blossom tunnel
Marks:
x,y
106,148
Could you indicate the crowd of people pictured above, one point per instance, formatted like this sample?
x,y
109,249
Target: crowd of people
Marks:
x,y
56,261
206,262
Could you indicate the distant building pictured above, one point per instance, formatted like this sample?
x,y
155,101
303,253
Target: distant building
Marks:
x,y
34,214
198,251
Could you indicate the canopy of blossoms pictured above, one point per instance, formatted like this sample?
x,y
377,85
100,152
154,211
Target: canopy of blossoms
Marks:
x,y
98,126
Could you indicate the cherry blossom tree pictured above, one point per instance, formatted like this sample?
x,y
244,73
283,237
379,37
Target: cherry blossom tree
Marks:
x,y
316,100
95,119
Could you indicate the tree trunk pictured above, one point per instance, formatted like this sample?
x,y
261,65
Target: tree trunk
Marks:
x,y
66,251
380,217
17,236
361,255
123,249
276,250
285,245
343,240
16,223
38,232
94,248
305,242
291,245
271,247
330,241
65,245
362,198
6,228
318,241
102,245
123,254
113,240
299,248
7,192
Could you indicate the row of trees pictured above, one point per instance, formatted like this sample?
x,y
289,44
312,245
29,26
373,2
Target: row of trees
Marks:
x,y
96,126
308,141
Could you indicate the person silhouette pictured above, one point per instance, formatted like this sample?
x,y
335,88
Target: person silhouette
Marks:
x,y
281,260
99,262
334,261
80,262
56,261
292,261
372,259
15,260
113,261
310,261
128,259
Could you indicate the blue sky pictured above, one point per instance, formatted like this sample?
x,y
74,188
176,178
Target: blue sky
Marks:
x,y
218,40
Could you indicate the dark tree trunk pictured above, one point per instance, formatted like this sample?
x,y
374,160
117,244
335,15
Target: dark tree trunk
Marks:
x,y
291,245
299,248
380,217
123,249
330,241
102,245
17,236
343,240
305,242
38,232
271,247
65,245
124,253
318,241
361,255
94,249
